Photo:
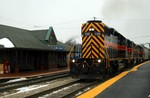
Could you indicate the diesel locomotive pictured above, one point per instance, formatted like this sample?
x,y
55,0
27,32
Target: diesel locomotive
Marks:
x,y
103,51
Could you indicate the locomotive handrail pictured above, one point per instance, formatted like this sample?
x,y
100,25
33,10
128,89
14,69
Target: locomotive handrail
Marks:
x,y
107,58
69,55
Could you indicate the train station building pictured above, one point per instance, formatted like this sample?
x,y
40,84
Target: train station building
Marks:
x,y
31,50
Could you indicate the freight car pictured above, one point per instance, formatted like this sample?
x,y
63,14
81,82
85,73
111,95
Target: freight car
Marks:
x,y
103,51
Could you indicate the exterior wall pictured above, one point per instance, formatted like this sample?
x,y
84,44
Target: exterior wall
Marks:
x,y
57,59
26,60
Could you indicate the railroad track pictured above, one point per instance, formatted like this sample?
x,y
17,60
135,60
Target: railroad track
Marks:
x,y
12,85
70,86
37,88
67,90
82,87
54,89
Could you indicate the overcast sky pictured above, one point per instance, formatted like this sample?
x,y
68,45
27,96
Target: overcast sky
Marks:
x,y
129,17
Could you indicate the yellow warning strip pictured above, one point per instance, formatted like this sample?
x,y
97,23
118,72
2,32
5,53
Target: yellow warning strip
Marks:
x,y
97,90
136,67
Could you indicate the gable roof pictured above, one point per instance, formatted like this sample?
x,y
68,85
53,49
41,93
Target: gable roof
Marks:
x,y
50,33
39,34
22,38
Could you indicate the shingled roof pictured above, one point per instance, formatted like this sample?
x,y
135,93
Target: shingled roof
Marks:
x,y
36,39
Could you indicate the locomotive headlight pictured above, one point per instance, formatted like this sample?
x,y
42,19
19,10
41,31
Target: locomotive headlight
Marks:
x,y
73,60
91,29
99,60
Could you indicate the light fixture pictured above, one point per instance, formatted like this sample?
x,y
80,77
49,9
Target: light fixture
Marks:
x,y
91,29
73,60
99,60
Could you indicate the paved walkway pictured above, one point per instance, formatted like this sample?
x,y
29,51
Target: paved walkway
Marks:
x,y
134,83
33,73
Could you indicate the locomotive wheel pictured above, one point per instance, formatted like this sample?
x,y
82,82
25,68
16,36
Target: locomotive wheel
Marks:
x,y
115,67
125,64
111,71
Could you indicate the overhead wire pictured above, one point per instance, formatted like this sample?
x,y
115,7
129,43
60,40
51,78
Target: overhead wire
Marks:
x,y
79,20
57,25
15,21
140,37
123,19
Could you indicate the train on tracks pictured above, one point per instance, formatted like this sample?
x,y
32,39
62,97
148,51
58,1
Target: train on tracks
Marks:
x,y
103,51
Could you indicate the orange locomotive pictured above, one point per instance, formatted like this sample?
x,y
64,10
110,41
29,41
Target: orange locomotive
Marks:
x,y
103,51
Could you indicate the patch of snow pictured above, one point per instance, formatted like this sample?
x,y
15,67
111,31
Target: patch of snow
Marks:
x,y
15,80
45,96
39,76
6,42
55,92
5,93
29,88
88,88
22,90
79,93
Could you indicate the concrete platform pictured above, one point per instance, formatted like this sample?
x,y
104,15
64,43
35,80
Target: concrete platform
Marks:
x,y
134,83
32,73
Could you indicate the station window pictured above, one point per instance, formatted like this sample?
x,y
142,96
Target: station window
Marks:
x,y
52,40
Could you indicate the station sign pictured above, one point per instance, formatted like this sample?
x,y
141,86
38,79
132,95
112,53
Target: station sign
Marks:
x,y
59,48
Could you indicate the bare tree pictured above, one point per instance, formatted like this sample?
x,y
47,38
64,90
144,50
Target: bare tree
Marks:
x,y
71,41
